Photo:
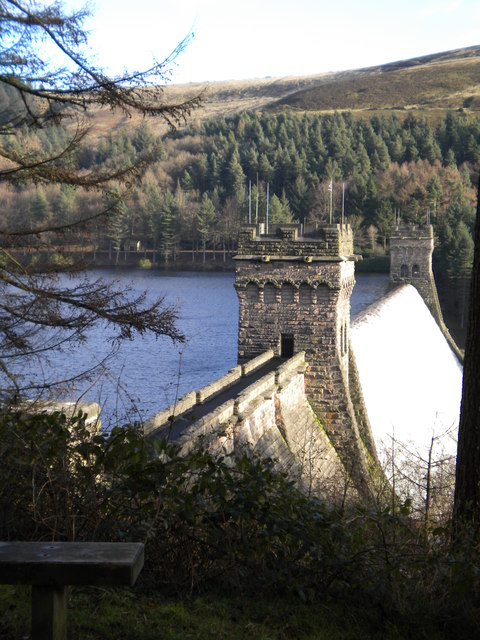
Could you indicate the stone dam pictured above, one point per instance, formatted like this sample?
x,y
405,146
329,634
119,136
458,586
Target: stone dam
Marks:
x,y
298,395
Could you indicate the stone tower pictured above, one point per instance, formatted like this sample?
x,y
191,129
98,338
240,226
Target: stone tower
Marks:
x,y
411,249
294,290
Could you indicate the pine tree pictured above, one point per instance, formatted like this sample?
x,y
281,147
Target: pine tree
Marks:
x,y
277,213
205,221
118,227
40,208
166,225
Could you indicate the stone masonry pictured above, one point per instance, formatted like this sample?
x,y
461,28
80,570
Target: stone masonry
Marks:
x,y
294,287
271,418
411,249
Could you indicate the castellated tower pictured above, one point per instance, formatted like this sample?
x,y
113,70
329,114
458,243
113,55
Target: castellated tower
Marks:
x,y
294,290
411,249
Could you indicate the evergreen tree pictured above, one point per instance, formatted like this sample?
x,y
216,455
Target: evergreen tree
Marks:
x,y
40,208
205,221
153,207
165,225
299,199
235,175
277,213
118,226
383,220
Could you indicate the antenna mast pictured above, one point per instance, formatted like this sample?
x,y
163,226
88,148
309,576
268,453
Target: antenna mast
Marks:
x,y
249,202
268,197
330,188
256,207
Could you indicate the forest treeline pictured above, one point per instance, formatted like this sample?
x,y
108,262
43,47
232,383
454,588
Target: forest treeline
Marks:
x,y
211,177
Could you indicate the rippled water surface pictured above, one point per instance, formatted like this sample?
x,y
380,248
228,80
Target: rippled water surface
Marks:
x,y
147,374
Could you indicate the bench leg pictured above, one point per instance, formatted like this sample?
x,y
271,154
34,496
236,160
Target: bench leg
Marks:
x,y
49,613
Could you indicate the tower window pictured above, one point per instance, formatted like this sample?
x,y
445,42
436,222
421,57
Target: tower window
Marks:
x,y
404,271
323,295
288,294
415,270
269,293
305,294
286,345
252,292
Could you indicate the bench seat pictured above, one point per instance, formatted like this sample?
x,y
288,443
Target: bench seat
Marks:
x,y
52,566
70,563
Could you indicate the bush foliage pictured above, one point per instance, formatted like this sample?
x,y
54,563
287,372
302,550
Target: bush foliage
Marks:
x,y
219,524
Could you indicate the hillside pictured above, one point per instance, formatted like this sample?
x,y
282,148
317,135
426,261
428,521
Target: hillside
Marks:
x,y
442,81
438,82
431,84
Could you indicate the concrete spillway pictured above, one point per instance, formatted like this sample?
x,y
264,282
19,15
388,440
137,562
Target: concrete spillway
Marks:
x,y
410,377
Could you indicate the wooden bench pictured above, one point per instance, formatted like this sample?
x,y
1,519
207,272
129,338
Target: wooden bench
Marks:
x,y
50,567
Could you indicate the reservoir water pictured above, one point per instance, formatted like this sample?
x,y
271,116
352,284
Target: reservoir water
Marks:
x,y
147,374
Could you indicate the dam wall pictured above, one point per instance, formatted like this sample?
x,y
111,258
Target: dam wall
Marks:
x,y
320,395
270,418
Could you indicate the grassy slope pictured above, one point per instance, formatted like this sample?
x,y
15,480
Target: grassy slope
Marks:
x,y
430,84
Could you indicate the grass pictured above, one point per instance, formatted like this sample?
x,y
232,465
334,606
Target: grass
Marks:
x,y
109,614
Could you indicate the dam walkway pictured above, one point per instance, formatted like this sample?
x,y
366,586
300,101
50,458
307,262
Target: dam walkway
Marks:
x,y
197,406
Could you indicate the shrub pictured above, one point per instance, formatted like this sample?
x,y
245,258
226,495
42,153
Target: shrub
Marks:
x,y
145,263
233,525
59,261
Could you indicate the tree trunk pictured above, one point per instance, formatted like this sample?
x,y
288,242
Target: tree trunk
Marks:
x,y
467,482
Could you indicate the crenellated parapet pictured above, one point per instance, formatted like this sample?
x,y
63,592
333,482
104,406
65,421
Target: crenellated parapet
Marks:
x,y
292,242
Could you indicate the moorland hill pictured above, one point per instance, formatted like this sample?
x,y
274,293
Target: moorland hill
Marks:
x,y
431,84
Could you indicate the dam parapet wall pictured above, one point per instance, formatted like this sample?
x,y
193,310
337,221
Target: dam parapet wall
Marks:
x,y
269,418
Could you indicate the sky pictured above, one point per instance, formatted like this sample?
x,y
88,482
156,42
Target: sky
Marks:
x,y
240,40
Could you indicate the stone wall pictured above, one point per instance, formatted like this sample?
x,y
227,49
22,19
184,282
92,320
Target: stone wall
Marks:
x,y
294,295
273,419
162,422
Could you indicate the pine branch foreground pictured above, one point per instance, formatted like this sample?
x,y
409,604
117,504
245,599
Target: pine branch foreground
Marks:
x,y
39,95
